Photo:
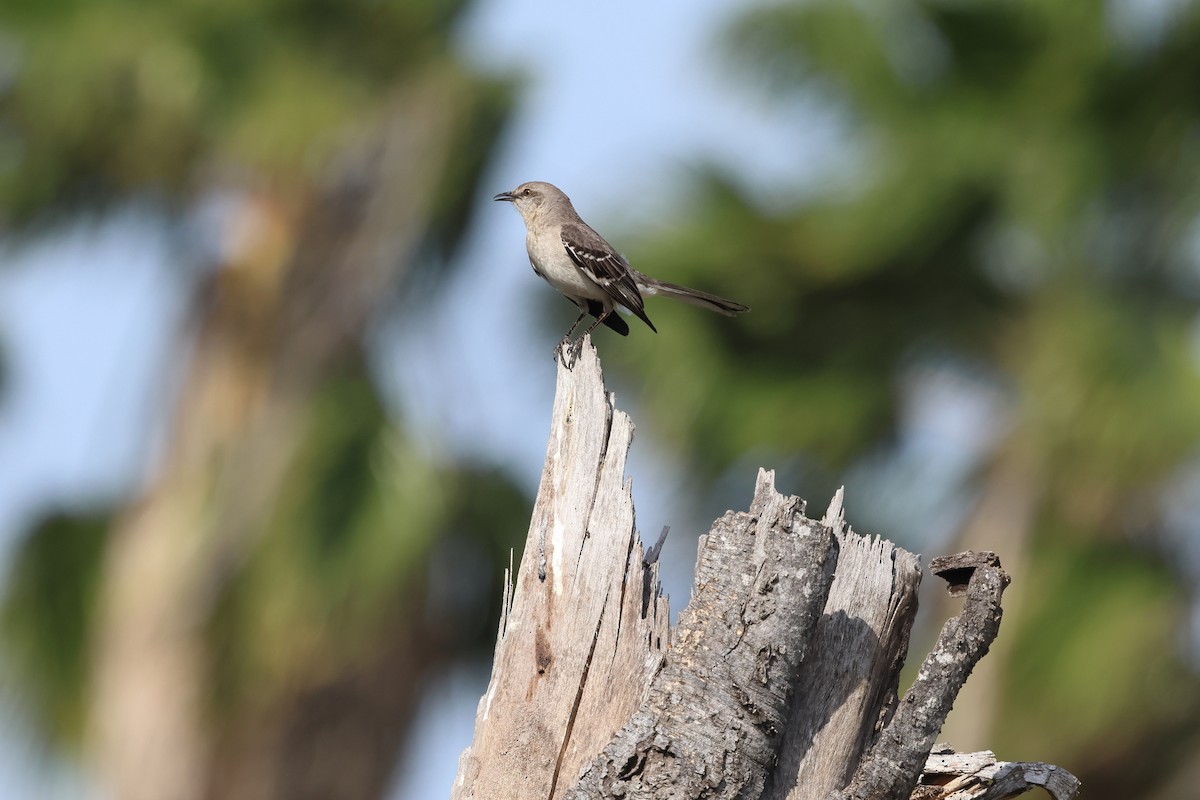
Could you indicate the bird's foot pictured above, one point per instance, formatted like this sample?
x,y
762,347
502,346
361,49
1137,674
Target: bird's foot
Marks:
x,y
562,352
567,351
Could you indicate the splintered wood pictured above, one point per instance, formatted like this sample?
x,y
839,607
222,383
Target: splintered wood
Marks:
x,y
587,625
779,681
846,689
979,776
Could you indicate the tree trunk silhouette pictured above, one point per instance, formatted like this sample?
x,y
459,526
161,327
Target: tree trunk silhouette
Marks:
x,y
285,316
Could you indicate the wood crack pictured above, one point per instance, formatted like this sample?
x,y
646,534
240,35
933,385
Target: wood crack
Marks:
x,y
583,679
621,600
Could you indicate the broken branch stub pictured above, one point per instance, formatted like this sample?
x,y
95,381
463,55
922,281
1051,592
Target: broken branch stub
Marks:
x,y
980,776
893,766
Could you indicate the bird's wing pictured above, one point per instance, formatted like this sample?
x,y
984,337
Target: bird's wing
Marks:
x,y
603,265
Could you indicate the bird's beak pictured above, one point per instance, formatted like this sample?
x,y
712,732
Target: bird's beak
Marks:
x,y
509,196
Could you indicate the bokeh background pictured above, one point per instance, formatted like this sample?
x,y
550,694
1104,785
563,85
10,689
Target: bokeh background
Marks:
x,y
275,376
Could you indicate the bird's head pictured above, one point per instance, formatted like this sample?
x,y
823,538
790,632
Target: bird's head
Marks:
x,y
535,198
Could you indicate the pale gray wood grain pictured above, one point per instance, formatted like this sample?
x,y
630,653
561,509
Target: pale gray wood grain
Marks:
x,y
846,688
586,625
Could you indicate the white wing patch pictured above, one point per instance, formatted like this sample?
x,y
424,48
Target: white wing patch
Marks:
x,y
603,266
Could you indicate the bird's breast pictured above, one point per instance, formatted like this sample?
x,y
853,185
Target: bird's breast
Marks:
x,y
551,261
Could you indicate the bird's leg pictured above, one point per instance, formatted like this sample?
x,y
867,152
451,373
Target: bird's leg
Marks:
x,y
599,319
567,337
577,345
575,325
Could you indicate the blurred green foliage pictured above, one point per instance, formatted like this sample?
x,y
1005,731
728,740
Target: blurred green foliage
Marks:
x,y
1089,645
101,99
1020,192
46,621
345,552
1023,195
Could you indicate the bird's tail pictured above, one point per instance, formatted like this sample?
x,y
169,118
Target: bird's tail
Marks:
x,y
652,286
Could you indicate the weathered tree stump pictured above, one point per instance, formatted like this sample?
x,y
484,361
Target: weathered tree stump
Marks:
x,y
779,680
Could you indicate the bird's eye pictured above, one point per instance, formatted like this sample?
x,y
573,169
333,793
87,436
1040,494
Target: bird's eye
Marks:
x,y
527,192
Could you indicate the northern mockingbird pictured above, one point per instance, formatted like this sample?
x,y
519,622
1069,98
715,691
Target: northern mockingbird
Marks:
x,y
587,270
